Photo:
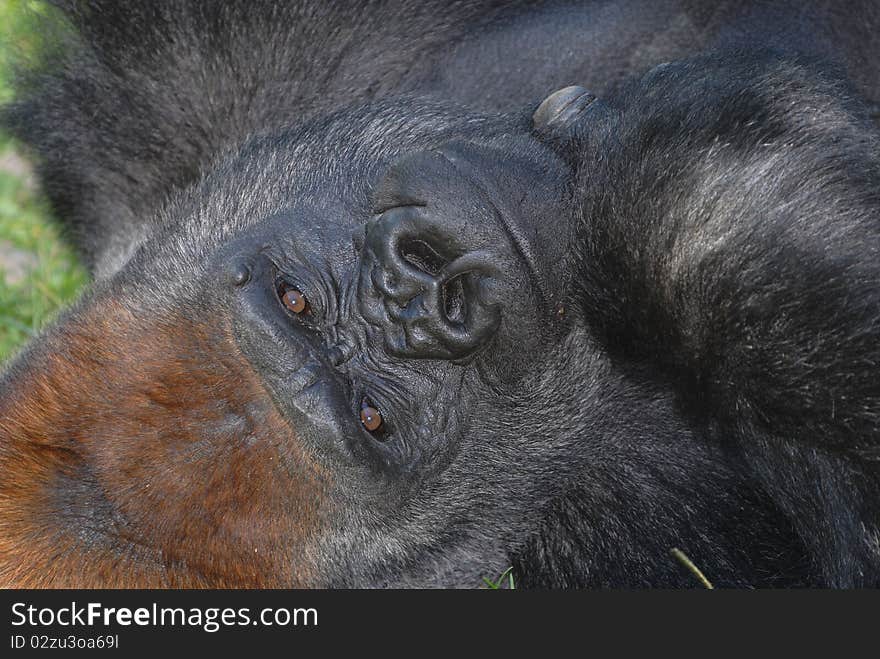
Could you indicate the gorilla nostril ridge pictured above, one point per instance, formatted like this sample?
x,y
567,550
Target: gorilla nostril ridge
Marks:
x,y
400,286
384,281
426,288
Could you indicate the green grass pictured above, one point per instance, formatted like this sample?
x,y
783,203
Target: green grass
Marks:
x,y
53,276
505,581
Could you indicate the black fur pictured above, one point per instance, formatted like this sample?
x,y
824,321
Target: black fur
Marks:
x,y
696,366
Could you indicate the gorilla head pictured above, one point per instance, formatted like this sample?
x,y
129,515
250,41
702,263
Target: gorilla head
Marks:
x,y
299,378
402,343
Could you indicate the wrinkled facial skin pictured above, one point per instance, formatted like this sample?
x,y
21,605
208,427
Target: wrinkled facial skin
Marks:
x,y
432,286
214,437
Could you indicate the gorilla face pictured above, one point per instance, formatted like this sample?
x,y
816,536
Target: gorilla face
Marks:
x,y
313,363
365,346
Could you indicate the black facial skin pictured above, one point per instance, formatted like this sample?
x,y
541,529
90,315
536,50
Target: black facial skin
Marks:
x,y
621,318
433,287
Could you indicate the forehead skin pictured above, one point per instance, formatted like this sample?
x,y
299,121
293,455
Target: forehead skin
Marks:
x,y
137,452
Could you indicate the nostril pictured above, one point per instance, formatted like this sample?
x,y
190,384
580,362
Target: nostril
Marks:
x,y
421,255
432,296
454,300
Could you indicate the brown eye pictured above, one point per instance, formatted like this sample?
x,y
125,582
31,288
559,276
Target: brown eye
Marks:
x,y
295,301
370,417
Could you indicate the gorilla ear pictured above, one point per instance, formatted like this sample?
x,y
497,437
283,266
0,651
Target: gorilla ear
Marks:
x,y
562,107
560,114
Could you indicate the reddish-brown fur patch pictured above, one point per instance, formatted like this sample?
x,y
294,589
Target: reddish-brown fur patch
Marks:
x,y
142,452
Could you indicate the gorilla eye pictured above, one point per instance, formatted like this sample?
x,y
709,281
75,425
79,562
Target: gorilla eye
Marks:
x,y
370,417
294,300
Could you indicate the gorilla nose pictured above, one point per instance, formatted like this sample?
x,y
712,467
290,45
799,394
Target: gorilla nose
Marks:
x,y
434,297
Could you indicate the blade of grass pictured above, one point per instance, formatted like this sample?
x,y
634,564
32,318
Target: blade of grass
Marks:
x,y
682,558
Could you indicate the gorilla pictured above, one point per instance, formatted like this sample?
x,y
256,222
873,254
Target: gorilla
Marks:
x,y
407,293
